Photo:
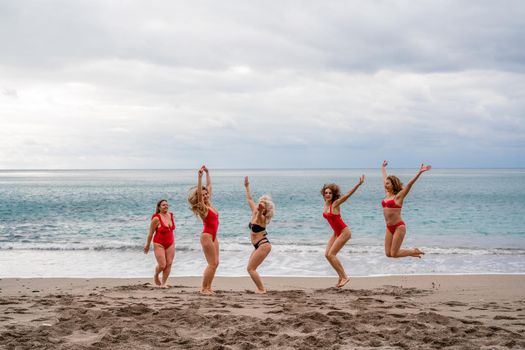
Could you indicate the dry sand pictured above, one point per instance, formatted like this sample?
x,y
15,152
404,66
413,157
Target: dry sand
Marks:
x,y
418,312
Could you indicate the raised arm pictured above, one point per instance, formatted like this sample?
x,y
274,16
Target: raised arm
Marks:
x,y
402,194
208,179
152,227
383,170
199,186
249,194
347,195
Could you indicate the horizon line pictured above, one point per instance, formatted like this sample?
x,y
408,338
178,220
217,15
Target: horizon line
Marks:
x,y
353,168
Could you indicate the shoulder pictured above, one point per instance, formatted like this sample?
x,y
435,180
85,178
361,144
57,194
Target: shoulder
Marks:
x,y
155,217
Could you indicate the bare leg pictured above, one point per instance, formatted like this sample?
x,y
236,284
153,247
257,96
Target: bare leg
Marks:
x,y
256,259
211,253
397,240
333,247
160,255
216,244
388,243
170,254
327,250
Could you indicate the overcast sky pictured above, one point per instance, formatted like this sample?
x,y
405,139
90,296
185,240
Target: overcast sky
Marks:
x,y
261,84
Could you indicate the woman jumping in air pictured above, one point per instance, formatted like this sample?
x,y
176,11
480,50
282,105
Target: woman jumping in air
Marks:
x,y
331,212
162,225
200,203
262,214
392,204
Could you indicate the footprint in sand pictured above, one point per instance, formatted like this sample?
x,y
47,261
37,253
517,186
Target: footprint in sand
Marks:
x,y
339,313
504,317
455,303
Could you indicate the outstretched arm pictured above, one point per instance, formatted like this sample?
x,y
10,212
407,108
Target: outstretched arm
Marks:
x,y
347,195
402,194
249,194
383,170
152,228
208,179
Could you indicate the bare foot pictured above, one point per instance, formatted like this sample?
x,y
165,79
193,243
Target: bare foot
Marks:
x,y
164,286
343,282
156,279
258,291
338,282
206,292
418,253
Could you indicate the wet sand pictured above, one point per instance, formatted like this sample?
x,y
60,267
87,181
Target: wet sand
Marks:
x,y
397,312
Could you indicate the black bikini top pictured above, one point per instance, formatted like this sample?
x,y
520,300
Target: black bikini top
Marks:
x,y
256,228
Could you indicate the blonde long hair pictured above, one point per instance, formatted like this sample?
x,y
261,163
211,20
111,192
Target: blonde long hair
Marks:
x,y
270,207
197,207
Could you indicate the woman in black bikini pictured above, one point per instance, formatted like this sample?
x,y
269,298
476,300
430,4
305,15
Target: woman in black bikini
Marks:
x,y
262,214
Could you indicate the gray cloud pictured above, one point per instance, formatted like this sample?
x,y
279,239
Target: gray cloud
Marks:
x,y
299,84
340,35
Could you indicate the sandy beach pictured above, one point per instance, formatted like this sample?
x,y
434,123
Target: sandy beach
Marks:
x,y
457,312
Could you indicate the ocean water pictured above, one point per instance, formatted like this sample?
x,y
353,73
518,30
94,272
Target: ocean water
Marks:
x,y
93,223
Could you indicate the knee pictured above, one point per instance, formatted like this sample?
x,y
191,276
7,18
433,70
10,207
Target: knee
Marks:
x,y
250,270
214,265
162,266
329,256
392,255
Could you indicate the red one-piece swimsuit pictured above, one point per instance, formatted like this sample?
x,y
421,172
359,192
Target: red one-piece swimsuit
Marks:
x,y
211,223
335,221
164,234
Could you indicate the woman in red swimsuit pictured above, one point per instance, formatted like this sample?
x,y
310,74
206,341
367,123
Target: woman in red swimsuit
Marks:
x,y
200,203
392,204
262,214
162,225
331,212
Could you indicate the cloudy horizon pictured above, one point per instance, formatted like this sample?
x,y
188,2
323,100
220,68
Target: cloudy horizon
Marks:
x,y
344,84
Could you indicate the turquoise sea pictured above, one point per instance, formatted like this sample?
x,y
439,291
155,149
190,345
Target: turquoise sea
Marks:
x,y
93,223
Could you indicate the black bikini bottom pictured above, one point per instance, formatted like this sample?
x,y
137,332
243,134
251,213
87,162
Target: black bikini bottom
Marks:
x,y
261,241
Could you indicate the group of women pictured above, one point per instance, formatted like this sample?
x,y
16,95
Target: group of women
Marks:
x,y
199,198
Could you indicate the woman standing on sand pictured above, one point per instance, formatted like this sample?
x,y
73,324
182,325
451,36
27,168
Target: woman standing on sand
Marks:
x,y
199,199
162,225
262,214
392,204
331,212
